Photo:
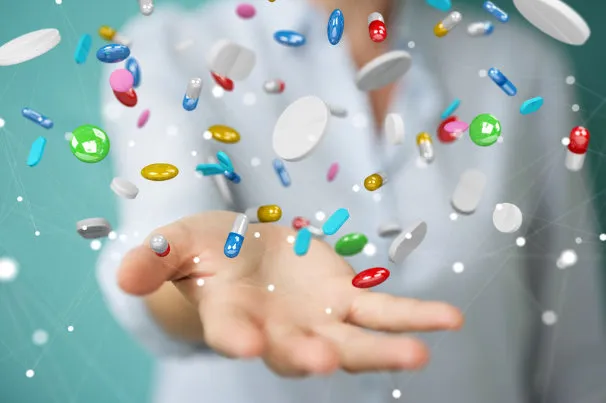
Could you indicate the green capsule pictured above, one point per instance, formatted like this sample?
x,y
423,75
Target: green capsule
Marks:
x,y
351,244
89,144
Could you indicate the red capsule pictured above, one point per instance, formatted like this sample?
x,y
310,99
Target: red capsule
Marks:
x,y
370,277
376,27
579,140
224,82
299,222
128,98
443,135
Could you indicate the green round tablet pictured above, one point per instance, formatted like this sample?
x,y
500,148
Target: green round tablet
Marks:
x,y
89,144
485,130
351,244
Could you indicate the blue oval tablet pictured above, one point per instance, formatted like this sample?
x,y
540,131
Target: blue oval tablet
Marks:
x,y
451,108
133,66
531,105
83,48
302,242
335,27
36,151
442,5
113,53
335,221
289,38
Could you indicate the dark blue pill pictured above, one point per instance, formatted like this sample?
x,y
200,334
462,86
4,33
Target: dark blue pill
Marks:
x,y
289,38
113,53
335,27
496,76
133,66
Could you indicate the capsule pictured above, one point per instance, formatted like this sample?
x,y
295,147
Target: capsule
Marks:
x,y
503,82
37,118
480,28
159,245
232,176
235,239
300,222
146,7
376,27
443,28
274,86
192,94
223,82
281,172
375,181
133,66
110,35
495,11
268,213
83,49
577,148
425,147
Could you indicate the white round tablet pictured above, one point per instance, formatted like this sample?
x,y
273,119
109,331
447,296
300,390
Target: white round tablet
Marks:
x,y
394,128
407,242
389,230
231,60
556,19
124,188
383,70
29,46
300,128
507,218
93,228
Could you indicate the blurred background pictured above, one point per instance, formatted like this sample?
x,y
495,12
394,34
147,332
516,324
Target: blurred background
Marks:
x,y
52,317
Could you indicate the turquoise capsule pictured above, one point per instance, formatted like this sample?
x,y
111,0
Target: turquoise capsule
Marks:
x,y
335,221
336,25
289,38
302,242
451,108
36,151
531,105
442,5
113,53
83,48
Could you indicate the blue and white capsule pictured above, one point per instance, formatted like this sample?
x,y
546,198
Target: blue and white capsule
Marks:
x,y
480,28
495,11
113,53
289,38
282,172
499,79
83,48
235,239
192,94
37,118
335,27
132,65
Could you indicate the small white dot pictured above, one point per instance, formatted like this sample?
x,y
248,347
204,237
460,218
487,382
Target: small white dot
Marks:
x,y
408,235
482,73
70,328
257,235
377,197
578,240
570,80
602,237
196,259
2,123
9,269
328,311
520,241
218,91
122,237
113,111
39,337
200,282
360,121
396,393
112,235
575,108
207,135
271,288
37,233
131,143
58,2
458,267
19,199
355,188
567,259
454,216
565,141
95,244
172,130
549,318
255,162
290,239
411,45
369,249
68,136
249,99
194,153
500,139
320,216
30,372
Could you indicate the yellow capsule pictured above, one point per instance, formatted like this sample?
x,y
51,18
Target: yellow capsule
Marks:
x,y
268,213
107,33
159,172
439,30
425,147
423,137
375,181
224,134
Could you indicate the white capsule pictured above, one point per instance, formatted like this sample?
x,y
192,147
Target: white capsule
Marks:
x,y
240,225
120,40
146,7
452,20
274,86
374,17
480,28
194,88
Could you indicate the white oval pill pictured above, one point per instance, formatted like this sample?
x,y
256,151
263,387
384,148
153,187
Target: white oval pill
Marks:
x,y
29,46
383,70
507,218
337,111
469,191
406,242
124,188
389,230
394,128
93,228
231,60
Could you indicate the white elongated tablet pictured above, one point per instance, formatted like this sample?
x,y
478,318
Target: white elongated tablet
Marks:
x,y
556,19
469,191
507,218
231,60
383,70
407,241
300,128
124,188
29,46
394,128
337,111
93,228
389,230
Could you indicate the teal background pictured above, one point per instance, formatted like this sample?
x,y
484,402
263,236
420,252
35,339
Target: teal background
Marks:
x,y
56,286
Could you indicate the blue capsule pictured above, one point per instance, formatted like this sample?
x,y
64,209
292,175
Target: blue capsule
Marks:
x,y
133,66
531,105
232,176
36,117
442,5
113,53
235,239
335,27
36,151
335,221
499,79
451,108
302,242
495,11
289,38
83,48
282,172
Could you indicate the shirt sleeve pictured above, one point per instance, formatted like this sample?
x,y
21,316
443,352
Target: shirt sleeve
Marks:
x,y
570,353
172,135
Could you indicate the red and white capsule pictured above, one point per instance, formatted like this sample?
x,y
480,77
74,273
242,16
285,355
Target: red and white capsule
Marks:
x,y
376,27
274,86
577,148
159,245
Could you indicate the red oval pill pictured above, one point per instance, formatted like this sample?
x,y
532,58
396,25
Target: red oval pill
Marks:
x,y
443,135
370,277
128,98
299,222
224,82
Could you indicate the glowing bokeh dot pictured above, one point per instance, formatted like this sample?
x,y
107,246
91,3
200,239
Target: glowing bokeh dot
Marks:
x,y
355,188
2,123
290,239
249,99
458,267
37,233
520,241
369,249
578,240
453,216
70,328
40,337
200,282
9,269
255,162
95,244
602,237
218,92
482,73
30,373
112,235
19,199
575,108
396,393
320,216
58,2
257,235
194,153
570,80
328,311
411,45
271,288
196,260
565,141
549,318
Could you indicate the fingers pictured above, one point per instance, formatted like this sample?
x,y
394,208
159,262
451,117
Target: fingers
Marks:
x,y
360,351
385,312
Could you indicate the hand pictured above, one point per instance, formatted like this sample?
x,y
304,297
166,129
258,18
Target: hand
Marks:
x,y
300,314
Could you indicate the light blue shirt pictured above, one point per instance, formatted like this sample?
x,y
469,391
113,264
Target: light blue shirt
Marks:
x,y
505,353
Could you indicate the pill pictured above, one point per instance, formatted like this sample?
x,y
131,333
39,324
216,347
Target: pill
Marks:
x,y
442,5
383,70
335,26
425,147
507,218
315,231
121,80
231,60
29,46
128,98
83,48
496,11
192,94
370,277
89,144
531,105
210,169
447,24
110,35
337,111
484,130
333,170
93,228
577,148
480,28
159,245
406,242
389,230
445,136
36,151
351,244
281,171
289,38
146,7
132,65
375,181
113,53
450,109
224,134
159,172
394,128
223,82
246,11
300,128
376,27
37,118
235,238
232,176
469,191
124,188
335,221
302,242
274,86
299,222
456,127
267,213
143,118
225,161
503,82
